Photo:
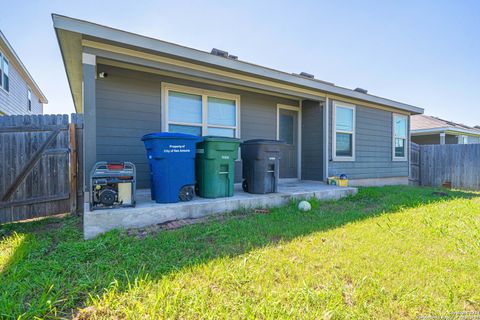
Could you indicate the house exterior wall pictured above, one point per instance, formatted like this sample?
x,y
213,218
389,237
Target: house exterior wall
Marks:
x,y
128,105
435,139
472,140
451,139
373,148
15,100
312,140
426,139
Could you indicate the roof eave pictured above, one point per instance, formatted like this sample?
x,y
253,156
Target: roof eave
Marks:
x,y
444,130
162,47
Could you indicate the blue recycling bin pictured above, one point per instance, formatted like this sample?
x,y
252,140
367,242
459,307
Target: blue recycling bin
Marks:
x,y
171,157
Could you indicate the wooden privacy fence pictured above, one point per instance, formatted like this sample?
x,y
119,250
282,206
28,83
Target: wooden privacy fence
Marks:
x,y
38,166
455,165
414,164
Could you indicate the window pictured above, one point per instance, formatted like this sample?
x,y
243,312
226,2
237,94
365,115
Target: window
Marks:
x,y
343,132
29,100
400,137
185,113
222,117
200,112
1,70
462,139
472,140
5,80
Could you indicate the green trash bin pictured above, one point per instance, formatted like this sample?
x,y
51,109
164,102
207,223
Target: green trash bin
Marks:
x,y
215,166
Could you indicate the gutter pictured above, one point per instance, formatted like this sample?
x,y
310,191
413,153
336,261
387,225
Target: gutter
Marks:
x,y
444,130
202,57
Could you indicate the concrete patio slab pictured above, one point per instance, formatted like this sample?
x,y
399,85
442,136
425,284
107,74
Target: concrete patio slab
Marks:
x,y
147,212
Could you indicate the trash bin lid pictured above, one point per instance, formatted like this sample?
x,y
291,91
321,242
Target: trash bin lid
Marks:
x,y
220,139
170,135
263,141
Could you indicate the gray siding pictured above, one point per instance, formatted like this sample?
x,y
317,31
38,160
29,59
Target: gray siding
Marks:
x,y
128,106
435,139
451,139
427,139
15,100
373,145
312,140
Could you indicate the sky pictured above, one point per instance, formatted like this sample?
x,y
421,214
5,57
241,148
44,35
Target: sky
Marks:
x,y
424,53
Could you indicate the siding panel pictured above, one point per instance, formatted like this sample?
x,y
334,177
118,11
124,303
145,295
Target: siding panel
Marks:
x,y
15,100
373,147
129,106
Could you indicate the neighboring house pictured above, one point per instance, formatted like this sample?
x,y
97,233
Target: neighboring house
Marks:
x,y
433,130
127,85
19,94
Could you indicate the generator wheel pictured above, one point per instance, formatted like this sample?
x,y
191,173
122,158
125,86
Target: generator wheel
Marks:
x,y
186,193
245,185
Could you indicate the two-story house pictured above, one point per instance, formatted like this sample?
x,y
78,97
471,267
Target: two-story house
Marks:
x,y
19,94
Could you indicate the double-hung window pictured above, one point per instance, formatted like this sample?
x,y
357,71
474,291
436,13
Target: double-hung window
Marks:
x,y
400,137
29,100
200,112
4,77
1,70
343,131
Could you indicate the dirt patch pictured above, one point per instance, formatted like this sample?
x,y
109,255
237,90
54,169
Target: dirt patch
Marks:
x,y
142,233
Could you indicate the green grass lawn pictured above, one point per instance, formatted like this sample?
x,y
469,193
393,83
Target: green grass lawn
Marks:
x,y
392,252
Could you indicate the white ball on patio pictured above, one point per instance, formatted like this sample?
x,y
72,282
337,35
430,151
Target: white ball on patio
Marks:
x,y
304,206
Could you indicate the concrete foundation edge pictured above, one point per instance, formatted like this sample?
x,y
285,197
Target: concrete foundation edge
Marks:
x,y
98,222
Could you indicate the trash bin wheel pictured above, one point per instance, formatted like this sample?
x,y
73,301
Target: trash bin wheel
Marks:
x,y
245,185
186,193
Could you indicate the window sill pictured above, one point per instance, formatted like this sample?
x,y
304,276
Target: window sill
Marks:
x,y
343,159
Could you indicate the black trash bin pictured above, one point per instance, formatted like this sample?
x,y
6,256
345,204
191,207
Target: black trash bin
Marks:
x,y
261,164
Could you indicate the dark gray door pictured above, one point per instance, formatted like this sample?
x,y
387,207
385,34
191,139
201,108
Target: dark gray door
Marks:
x,y
288,132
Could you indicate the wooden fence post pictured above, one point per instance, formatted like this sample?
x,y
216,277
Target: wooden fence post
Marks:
x,y
73,169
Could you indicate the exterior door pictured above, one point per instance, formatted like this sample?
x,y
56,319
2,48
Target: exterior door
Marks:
x,y
288,132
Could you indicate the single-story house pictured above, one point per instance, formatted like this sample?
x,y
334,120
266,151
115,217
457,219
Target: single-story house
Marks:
x,y
433,130
127,85
19,93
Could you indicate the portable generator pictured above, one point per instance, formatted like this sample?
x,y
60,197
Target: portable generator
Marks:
x,y
112,185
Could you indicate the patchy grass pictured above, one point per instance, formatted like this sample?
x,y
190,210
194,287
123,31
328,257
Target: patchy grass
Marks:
x,y
391,252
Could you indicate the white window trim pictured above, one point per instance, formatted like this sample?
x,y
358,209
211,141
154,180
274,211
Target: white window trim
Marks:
x,y
166,87
407,140
31,99
334,130
2,55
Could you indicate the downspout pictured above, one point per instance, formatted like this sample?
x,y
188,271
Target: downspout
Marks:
x,y
326,137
